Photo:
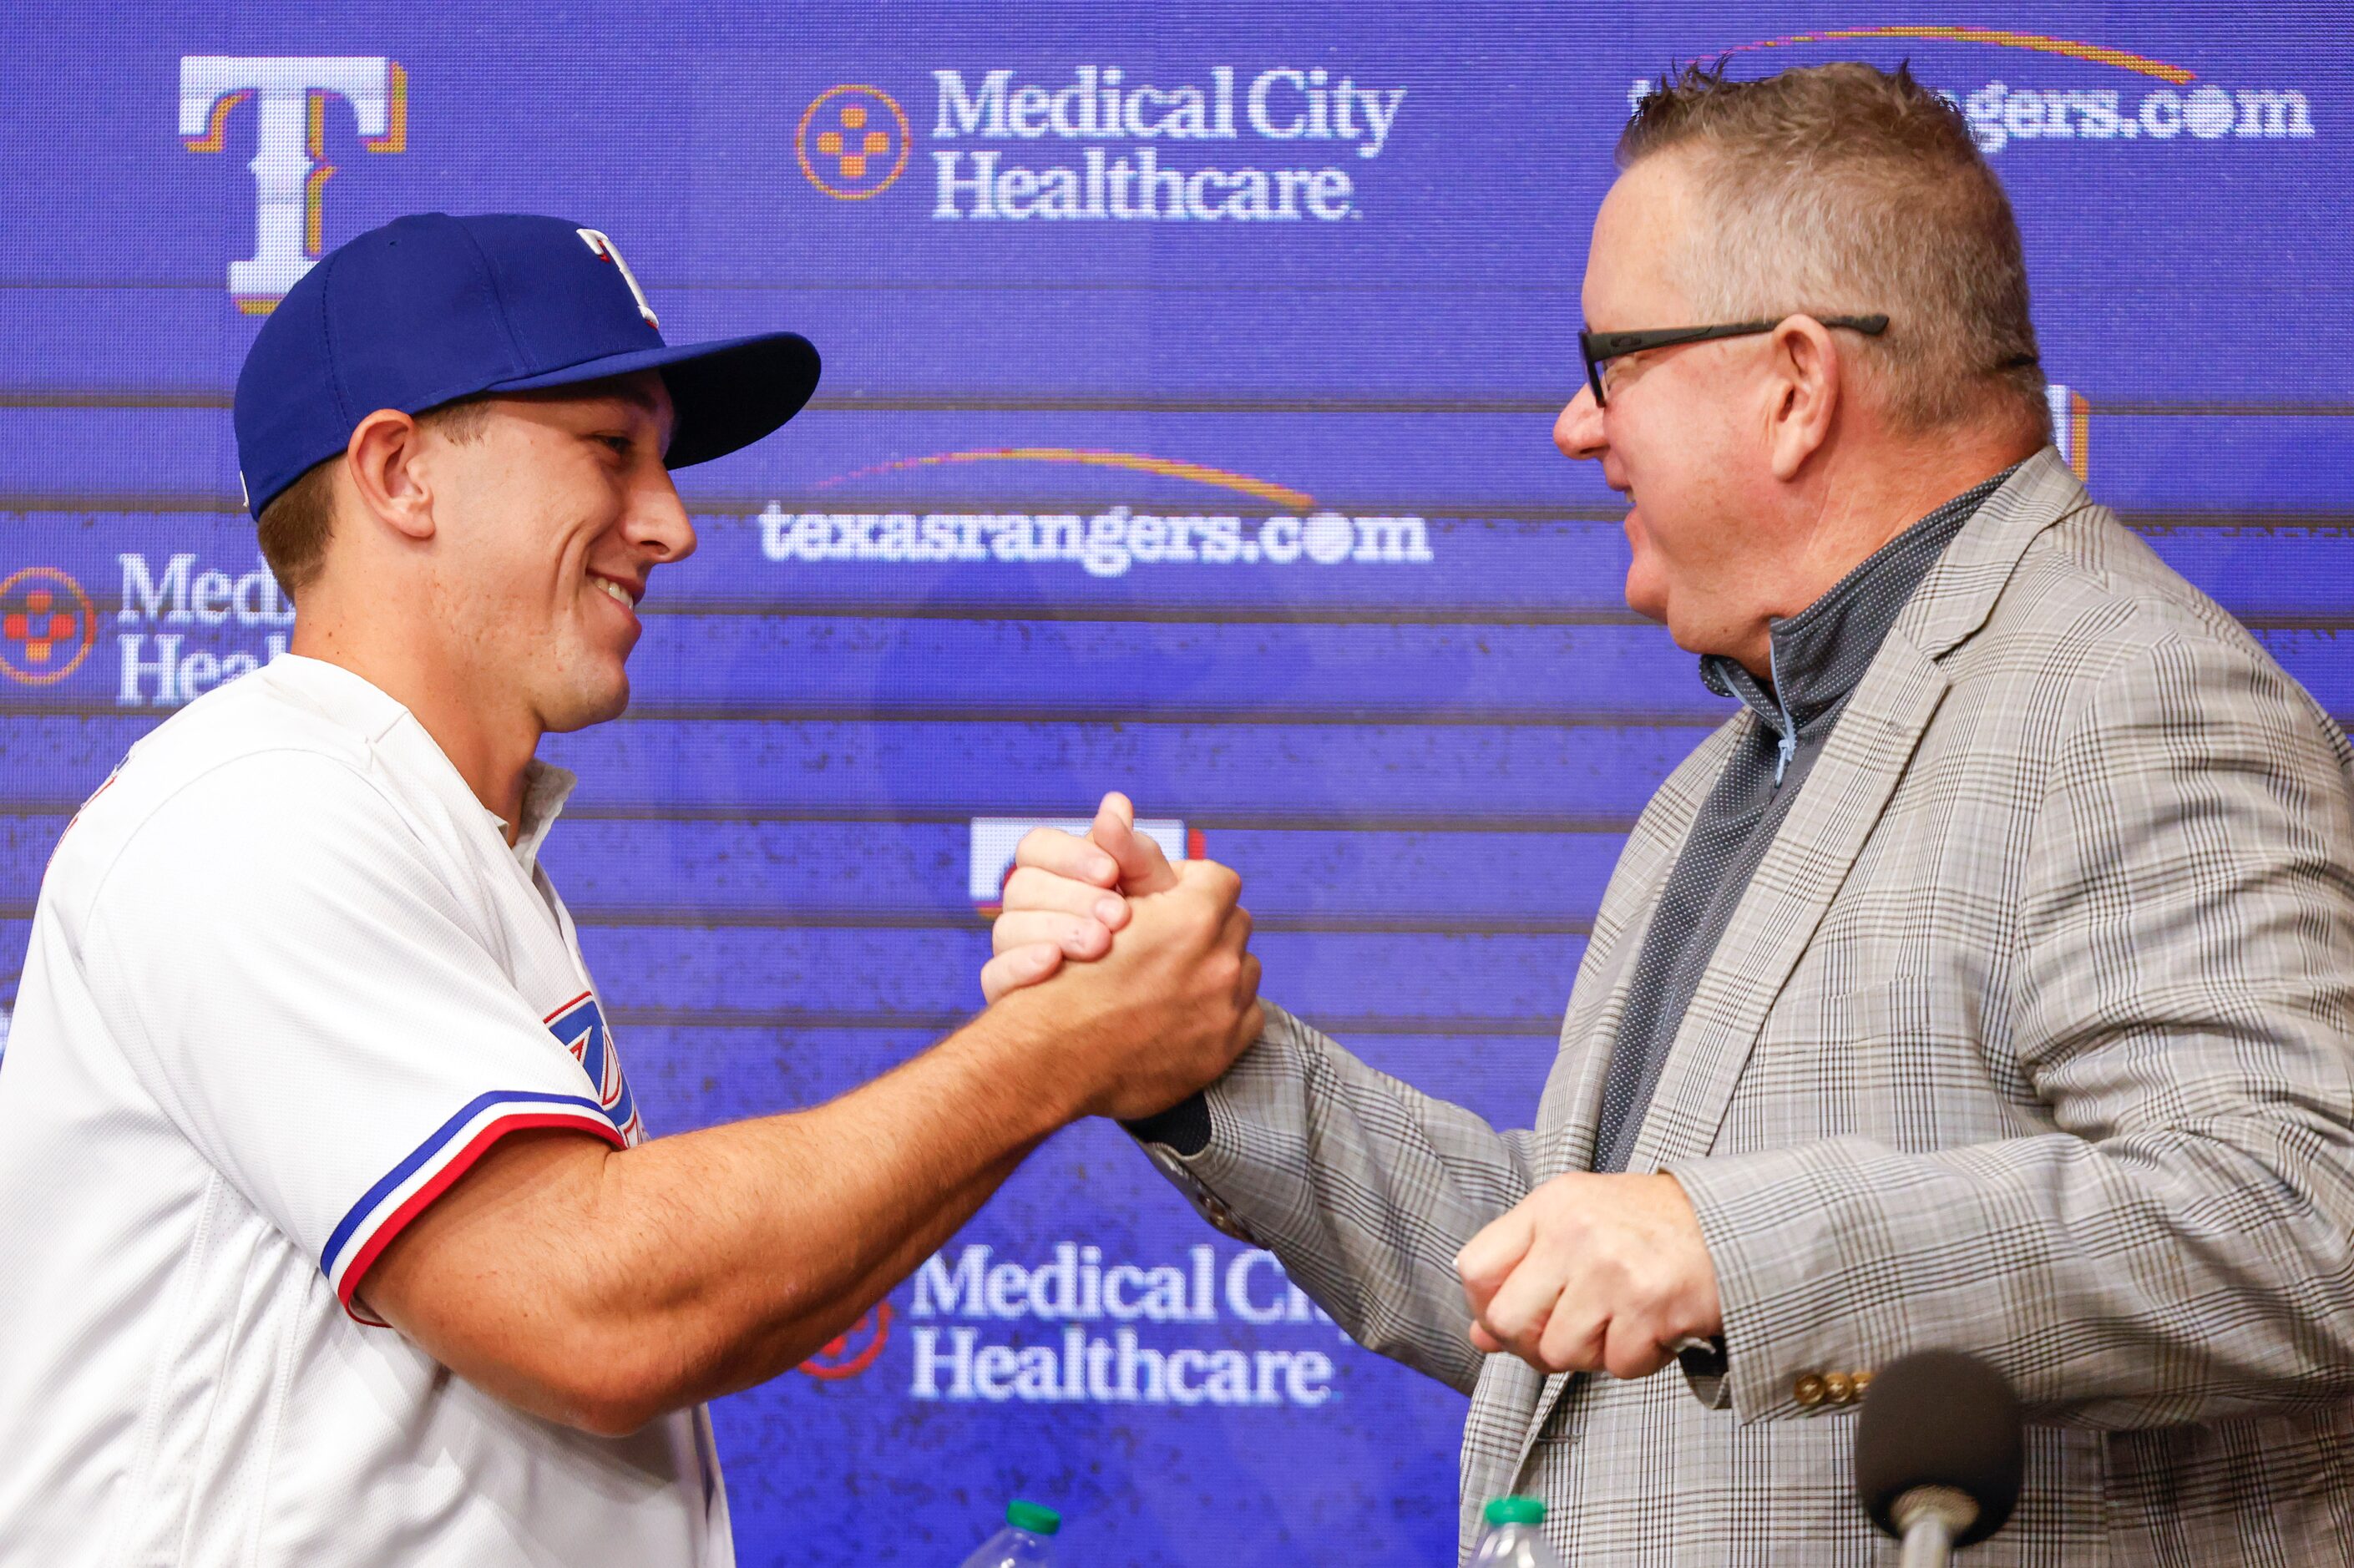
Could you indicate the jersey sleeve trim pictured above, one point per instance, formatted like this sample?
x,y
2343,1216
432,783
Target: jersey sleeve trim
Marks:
x,y
409,1187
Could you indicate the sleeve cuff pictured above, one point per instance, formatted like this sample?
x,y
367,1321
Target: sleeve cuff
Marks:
x,y
1177,1162
1770,1237
409,1187
1704,1367
1183,1126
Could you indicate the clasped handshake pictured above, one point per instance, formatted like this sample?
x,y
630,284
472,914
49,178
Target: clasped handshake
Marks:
x,y
1150,969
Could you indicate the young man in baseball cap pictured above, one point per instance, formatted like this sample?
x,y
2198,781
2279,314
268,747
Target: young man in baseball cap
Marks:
x,y
310,1100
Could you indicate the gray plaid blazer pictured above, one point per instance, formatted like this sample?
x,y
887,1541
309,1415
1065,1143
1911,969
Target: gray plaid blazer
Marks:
x,y
2033,1036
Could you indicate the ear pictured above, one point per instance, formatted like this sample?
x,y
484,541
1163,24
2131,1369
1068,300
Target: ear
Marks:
x,y
382,464
1804,374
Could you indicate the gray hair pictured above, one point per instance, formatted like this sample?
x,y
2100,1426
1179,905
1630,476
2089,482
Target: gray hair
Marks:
x,y
1843,189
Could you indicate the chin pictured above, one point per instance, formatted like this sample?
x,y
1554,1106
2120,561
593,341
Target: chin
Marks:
x,y
590,704
1685,638
1645,597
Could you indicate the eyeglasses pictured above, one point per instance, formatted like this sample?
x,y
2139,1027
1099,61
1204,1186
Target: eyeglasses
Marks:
x,y
1601,347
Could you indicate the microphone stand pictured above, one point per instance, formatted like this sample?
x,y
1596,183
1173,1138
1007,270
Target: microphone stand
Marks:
x,y
1930,1518
1939,1454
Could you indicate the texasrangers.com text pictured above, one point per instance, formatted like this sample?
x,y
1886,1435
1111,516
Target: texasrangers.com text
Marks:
x,y
1105,544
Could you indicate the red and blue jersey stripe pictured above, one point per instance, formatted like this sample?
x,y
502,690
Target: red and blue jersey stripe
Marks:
x,y
429,1170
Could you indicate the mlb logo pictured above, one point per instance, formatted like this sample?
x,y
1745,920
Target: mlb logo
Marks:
x,y
995,840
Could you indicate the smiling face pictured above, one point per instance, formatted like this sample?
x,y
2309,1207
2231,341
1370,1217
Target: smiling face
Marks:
x,y
550,520
1683,436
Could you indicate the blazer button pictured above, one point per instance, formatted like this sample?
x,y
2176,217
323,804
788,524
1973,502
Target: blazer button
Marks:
x,y
1837,1388
1807,1390
1862,1381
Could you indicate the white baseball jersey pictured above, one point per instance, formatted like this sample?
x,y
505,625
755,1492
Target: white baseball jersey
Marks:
x,y
287,981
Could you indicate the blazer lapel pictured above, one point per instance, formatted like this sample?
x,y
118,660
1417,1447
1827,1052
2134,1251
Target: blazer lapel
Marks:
x,y
1572,1106
1838,808
1835,812
1960,591
1567,1115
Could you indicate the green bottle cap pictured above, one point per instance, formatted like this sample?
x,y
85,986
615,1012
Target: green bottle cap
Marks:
x,y
1039,1520
1515,1511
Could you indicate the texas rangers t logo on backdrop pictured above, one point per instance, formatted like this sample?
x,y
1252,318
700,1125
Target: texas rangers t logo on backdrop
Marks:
x,y
290,94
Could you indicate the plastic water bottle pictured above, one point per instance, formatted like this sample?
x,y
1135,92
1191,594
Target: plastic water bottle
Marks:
x,y
1024,1543
1514,1539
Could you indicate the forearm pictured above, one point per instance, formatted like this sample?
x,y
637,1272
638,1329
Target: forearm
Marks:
x,y
603,1288
769,1342
1364,1189
2149,1279
744,1248
2180,1246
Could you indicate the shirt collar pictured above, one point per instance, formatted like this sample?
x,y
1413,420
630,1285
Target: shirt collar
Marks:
x,y
346,696
545,789
352,699
1820,654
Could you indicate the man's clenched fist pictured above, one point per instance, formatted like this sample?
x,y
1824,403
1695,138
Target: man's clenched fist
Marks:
x,y
1593,1273
1064,899
1148,1018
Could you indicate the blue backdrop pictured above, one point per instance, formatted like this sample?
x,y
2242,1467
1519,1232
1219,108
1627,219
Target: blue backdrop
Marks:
x,y
1184,431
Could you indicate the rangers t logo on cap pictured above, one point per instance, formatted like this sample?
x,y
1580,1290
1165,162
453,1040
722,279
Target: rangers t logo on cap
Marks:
x,y
602,244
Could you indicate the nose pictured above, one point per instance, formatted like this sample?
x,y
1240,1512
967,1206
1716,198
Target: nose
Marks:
x,y
659,526
1578,431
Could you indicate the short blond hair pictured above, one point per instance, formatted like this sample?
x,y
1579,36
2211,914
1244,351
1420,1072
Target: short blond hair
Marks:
x,y
295,522
1845,190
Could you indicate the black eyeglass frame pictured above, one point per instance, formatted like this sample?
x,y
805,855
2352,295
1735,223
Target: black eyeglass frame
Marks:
x,y
1601,347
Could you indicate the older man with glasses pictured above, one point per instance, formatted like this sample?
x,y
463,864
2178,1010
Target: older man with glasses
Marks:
x,y
1986,982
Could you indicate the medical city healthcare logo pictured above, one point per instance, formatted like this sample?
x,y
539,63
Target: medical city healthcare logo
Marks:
x,y
1074,1322
185,625
852,142
290,96
47,626
1283,145
2084,111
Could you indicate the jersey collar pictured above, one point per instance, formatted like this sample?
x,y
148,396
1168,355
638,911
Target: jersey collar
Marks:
x,y
358,704
545,788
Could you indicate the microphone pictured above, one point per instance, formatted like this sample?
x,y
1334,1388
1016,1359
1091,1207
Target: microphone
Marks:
x,y
1938,1453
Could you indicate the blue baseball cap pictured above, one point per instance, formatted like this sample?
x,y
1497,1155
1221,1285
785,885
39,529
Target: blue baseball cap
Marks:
x,y
430,307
